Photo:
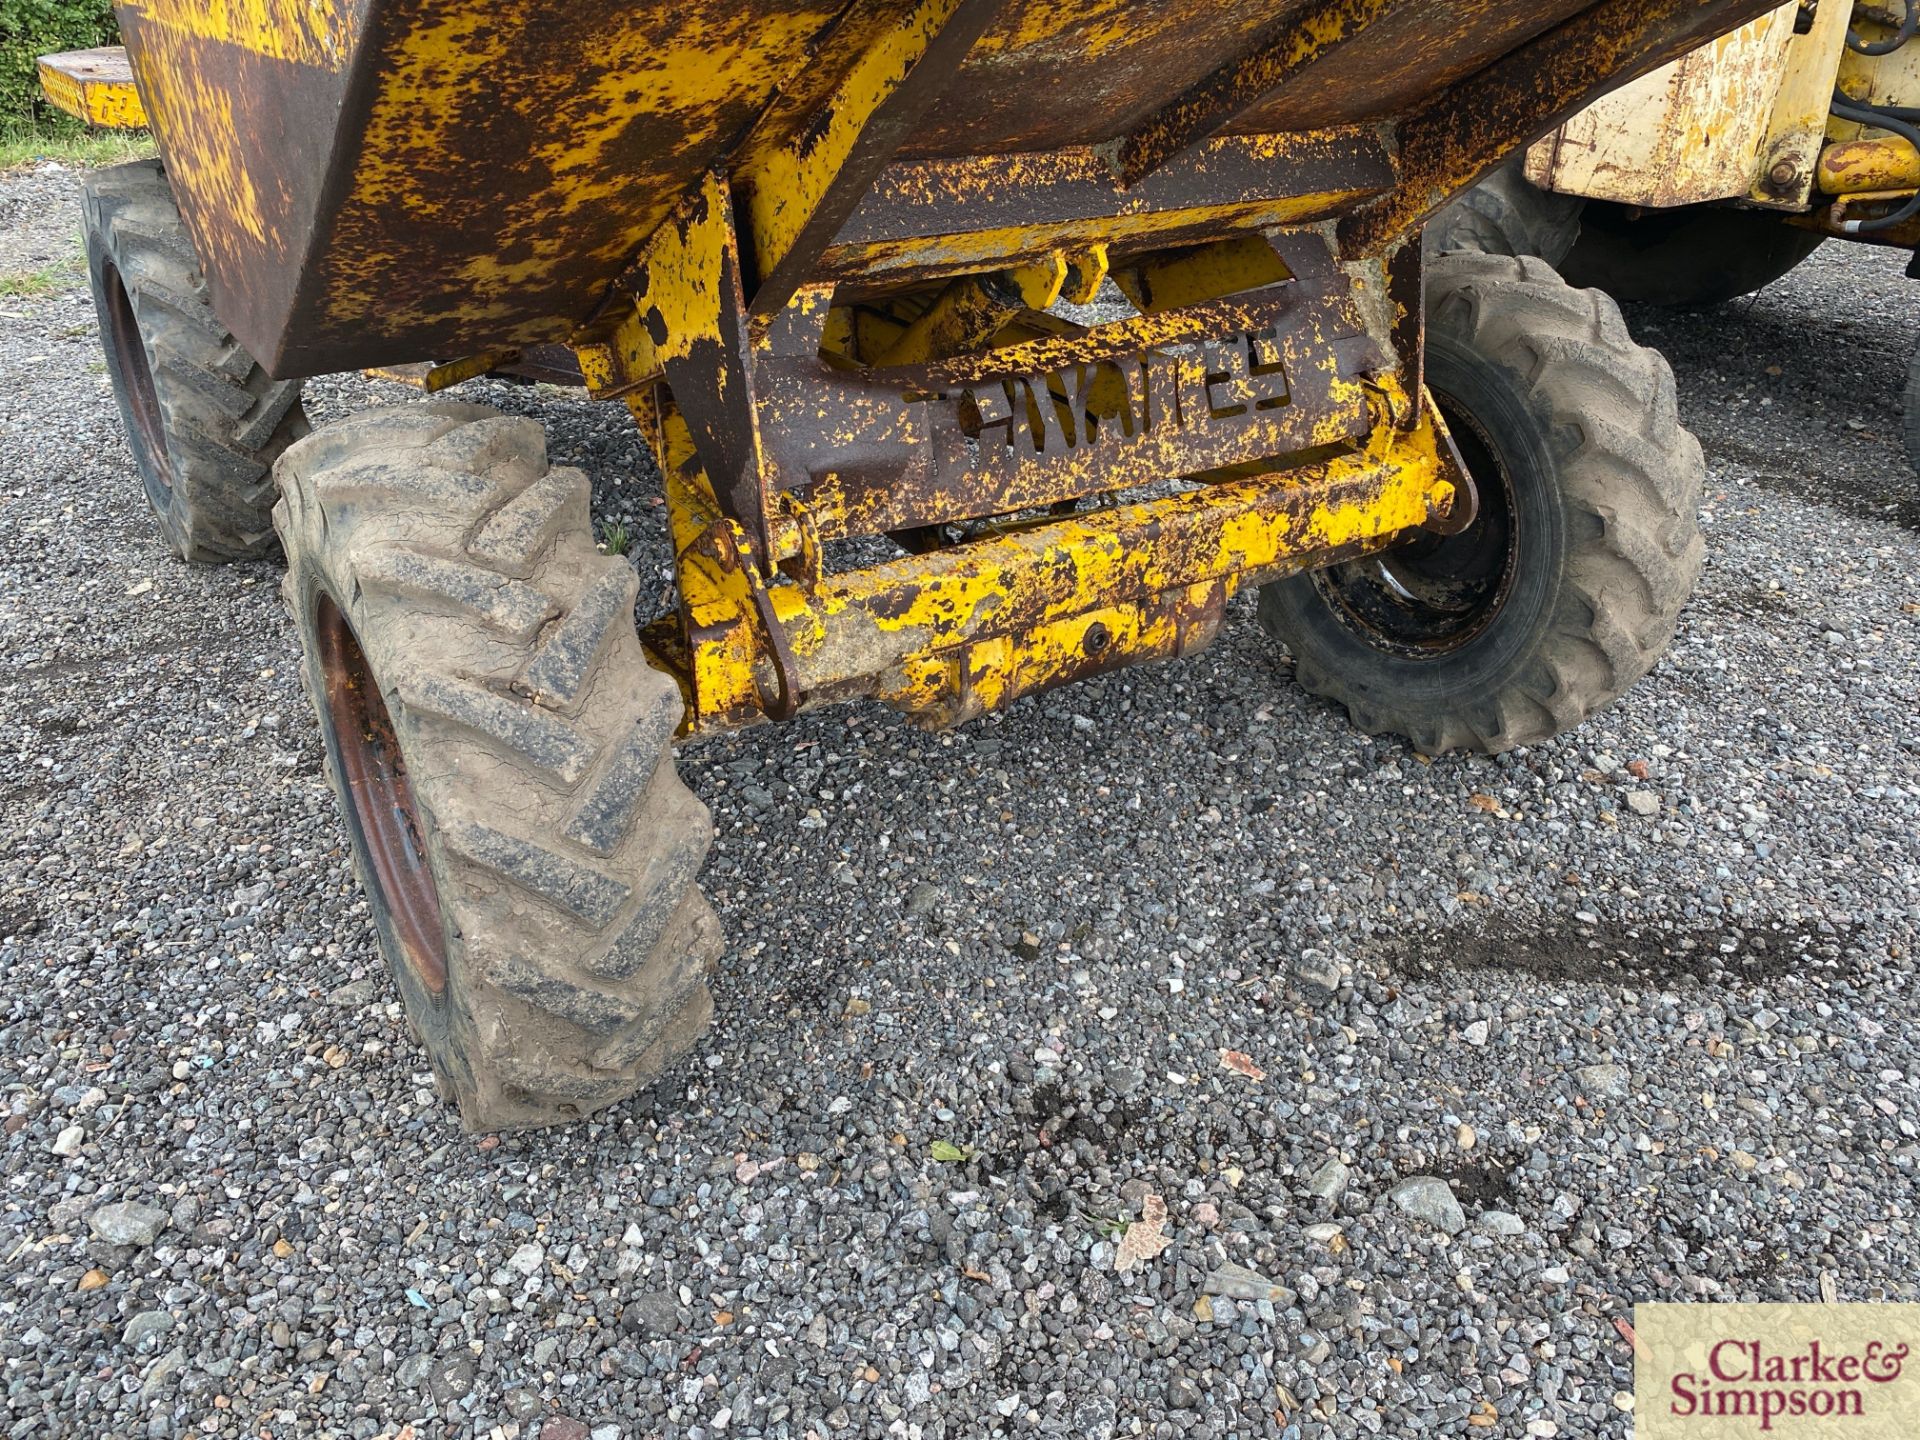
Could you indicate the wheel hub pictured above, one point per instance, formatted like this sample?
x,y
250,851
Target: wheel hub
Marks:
x,y
1434,594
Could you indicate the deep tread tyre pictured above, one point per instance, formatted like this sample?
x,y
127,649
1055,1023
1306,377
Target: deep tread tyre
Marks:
x,y
1507,214
574,944
1688,258
204,422
1544,384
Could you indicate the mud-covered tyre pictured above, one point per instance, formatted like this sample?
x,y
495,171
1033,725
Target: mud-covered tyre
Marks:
x,y
1688,258
500,750
204,422
1567,586
1507,214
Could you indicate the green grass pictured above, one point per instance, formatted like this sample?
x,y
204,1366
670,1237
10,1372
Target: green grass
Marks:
x,y
71,143
614,539
47,280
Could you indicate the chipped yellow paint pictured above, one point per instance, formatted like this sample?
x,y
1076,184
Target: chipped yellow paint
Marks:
x,y
467,155
1879,165
195,117
1086,272
186,60
1890,79
973,309
786,182
950,633
434,377
980,248
1866,164
965,315
95,86
1783,175
1039,283
321,33
712,56
1092,29
724,662
679,274
1689,132
1744,116
600,367
1311,33
682,269
998,669
1205,272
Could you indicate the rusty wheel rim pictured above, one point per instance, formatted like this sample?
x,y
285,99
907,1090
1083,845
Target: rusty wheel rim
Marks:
x,y
136,375
1434,595
380,805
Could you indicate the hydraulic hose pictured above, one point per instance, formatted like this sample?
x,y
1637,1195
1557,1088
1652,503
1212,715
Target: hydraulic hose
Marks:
x,y
1908,26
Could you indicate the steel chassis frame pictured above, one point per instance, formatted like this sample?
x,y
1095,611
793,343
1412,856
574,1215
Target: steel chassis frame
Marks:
x,y
826,343
829,339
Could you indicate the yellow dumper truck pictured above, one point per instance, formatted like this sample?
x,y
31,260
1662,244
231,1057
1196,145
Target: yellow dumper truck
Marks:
x,y
819,250
1717,174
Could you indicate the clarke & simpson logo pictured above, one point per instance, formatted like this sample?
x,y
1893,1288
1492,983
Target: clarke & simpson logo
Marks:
x,y
1713,1372
1744,1378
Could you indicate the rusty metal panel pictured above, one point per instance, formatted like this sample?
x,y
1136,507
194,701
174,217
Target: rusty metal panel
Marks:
x,y
1052,75
378,181
1454,139
931,217
1409,56
1689,132
373,181
225,101
1027,605
1278,372
1783,174
1107,65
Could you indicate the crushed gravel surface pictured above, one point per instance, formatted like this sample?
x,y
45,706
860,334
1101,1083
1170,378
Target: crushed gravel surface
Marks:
x,y
1435,1066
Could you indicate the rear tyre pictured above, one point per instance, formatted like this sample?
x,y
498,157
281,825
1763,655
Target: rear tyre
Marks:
x,y
1567,586
1694,256
1507,214
500,750
205,423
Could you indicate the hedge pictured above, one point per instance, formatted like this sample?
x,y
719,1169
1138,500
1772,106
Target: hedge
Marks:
x,y
32,28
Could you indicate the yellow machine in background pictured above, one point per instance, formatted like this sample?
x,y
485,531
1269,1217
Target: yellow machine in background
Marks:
x,y
1720,172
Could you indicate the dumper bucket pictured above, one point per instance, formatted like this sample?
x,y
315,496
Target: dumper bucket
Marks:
x,y
381,181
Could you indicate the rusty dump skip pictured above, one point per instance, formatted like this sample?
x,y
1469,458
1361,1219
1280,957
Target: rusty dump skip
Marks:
x,y
381,181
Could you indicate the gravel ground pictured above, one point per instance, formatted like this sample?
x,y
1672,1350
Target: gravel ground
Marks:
x,y
1638,1002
